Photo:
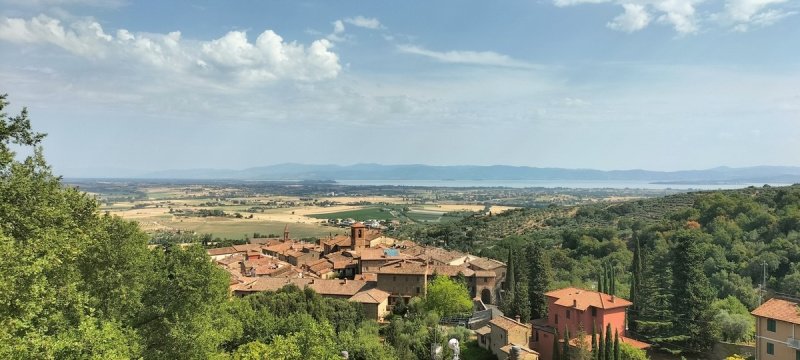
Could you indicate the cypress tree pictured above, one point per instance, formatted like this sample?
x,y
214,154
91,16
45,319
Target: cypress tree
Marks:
x,y
609,346
636,281
556,347
616,345
522,306
510,280
691,291
539,275
565,351
594,338
601,346
612,275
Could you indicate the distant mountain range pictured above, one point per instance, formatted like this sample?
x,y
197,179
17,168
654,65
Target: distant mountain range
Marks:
x,y
718,175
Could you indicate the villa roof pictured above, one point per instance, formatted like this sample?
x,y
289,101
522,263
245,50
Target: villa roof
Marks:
x,y
583,299
779,309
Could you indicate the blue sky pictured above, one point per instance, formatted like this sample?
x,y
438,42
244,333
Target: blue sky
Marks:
x,y
126,87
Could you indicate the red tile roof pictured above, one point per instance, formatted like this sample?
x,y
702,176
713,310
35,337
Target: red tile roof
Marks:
x,y
371,296
583,299
507,323
779,309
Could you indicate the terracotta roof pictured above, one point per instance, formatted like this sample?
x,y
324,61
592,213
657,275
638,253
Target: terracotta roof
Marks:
x,y
451,270
583,299
371,296
484,330
235,258
486,264
341,240
247,247
404,267
507,323
369,277
223,251
333,287
779,309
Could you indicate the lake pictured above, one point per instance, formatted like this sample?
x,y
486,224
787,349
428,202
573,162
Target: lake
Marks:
x,y
573,184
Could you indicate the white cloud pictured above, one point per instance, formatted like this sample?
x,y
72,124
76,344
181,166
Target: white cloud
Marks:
x,y
743,15
634,18
364,22
488,58
51,3
231,56
686,17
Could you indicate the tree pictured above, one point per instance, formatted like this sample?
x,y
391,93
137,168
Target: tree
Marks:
x,y
636,280
447,297
609,345
522,305
45,307
539,277
185,313
565,353
556,347
601,346
616,345
692,293
628,352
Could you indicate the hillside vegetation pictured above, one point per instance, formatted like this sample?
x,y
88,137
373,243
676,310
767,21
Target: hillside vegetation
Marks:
x,y
691,262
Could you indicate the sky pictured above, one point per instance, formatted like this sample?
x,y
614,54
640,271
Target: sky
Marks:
x,y
124,87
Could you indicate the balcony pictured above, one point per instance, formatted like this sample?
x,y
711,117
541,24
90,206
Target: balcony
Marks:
x,y
793,343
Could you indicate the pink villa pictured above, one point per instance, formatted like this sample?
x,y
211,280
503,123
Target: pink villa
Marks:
x,y
577,309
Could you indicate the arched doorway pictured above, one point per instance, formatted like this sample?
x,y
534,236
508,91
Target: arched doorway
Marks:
x,y
486,296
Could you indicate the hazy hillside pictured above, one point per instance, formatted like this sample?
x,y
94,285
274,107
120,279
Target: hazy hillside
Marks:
x,y
764,174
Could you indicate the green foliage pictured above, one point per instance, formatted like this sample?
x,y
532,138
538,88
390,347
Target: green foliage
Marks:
x,y
447,297
627,352
733,320
78,285
539,278
692,292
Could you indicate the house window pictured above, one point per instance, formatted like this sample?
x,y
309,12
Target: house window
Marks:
x,y
417,289
594,311
771,325
797,355
536,336
770,348
568,314
485,280
556,318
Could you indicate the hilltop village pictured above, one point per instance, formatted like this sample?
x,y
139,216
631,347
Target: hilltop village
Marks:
x,y
380,272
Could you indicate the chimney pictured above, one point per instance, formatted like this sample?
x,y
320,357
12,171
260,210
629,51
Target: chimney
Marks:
x,y
516,318
613,298
575,303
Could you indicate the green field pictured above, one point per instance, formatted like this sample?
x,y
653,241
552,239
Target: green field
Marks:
x,y
371,213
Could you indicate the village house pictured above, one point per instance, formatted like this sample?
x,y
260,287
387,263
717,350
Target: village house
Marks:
x,y
777,330
579,311
503,335
374,301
